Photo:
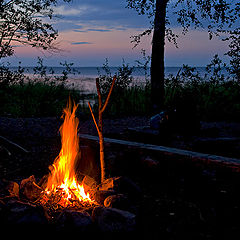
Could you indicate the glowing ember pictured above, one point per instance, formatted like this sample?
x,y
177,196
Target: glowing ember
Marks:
x,y
62,180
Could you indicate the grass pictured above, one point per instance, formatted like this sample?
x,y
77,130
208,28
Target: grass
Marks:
x,y
35,99
211,101
133,100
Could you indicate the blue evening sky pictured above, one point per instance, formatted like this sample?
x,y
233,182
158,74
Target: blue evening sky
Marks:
x,y
92,30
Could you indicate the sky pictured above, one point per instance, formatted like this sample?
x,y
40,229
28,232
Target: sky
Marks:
x,y
92,30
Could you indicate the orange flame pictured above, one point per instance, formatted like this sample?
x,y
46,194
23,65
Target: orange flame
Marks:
x,y
63,177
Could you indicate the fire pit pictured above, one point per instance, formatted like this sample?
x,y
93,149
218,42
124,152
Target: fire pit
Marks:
x,y
62,187
68,200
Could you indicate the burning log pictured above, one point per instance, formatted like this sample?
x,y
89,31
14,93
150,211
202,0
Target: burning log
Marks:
x,y
122,185
99,126
119,201
89,183
101,195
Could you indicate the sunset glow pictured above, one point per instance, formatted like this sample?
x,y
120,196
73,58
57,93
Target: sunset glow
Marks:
x,y
91,32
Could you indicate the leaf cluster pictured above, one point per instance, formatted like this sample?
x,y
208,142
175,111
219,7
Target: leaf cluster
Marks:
x,y
234,53
123,78
26,22
217,15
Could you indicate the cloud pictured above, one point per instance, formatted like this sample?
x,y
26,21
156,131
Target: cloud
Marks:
x,y
66,10
99,16
92,30
98,30
77,30
80,43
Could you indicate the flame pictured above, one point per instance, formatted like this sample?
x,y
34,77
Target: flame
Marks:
x,y
63,177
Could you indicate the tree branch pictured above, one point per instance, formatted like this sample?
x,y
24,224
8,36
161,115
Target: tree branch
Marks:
x,y
109,94
94,120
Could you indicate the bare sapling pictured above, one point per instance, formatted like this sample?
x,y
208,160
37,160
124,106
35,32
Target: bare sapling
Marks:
x,y
99,125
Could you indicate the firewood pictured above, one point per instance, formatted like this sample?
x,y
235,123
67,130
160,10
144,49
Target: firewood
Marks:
x,y
8,189
29,189
119,201
89,183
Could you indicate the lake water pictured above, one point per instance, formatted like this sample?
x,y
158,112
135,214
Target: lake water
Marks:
x,y
84,77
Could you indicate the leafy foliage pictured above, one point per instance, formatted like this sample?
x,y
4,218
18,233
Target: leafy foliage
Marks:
x,y
215,70
22,22
127,98
123,74
218,15
234,53
214,96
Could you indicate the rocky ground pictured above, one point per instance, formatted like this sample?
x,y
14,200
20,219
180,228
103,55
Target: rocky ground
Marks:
x,y
178,200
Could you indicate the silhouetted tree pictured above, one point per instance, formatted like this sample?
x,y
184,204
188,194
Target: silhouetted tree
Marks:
x,y
215,15
22,22
234,53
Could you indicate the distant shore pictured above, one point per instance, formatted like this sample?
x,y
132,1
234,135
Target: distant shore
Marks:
x,y
83,78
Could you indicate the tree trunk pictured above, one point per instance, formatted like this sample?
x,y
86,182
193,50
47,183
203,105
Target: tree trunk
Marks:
x,y
157,63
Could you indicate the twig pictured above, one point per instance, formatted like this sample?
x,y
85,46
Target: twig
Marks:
x,y
14,144
37,186
94,120
8,152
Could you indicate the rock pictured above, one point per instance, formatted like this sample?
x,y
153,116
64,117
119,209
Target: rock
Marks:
x,y
2,210
29,189
121,185
77,220
100,195
89,183
9,189
25,213
149,163
13,189
110,220
119,201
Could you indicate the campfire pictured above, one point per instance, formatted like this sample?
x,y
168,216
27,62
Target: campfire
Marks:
x,y
62,186
67,199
